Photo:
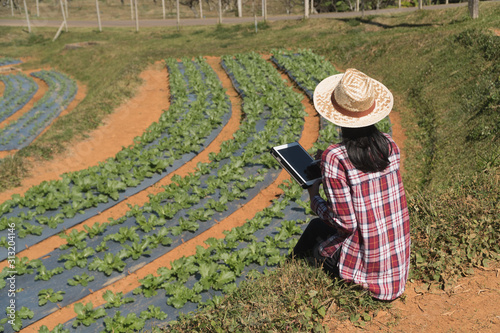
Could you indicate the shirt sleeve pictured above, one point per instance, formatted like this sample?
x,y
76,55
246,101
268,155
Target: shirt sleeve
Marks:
x,y
337,210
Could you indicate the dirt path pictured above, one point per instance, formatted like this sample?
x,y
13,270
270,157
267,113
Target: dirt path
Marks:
x,y
471,306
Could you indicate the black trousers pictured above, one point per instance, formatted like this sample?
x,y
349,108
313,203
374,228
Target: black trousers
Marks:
x,y
316,232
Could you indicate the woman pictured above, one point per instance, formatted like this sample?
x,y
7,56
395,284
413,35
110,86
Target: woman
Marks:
x,y
362,234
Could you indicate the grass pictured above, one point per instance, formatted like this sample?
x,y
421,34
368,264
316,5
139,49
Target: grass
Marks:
x,y
293,308
443,70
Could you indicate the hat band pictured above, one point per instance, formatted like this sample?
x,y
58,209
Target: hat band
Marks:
x,y
353,114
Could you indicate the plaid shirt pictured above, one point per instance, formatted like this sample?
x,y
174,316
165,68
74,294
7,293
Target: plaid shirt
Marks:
x,y
370,214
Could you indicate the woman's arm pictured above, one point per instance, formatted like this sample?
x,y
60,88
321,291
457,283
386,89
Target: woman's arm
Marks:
x,y
338,209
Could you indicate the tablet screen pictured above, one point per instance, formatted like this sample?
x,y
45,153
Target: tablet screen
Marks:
x,y
298,163
298,159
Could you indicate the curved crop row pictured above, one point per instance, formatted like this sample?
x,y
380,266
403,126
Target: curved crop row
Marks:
x,y
273,114
193,203
19,89
23,131
196,113
4,61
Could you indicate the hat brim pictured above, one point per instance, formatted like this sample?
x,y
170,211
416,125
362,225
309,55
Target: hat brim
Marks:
x,y
324,106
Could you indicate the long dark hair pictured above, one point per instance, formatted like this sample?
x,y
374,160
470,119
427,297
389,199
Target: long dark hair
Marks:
x,y
368,149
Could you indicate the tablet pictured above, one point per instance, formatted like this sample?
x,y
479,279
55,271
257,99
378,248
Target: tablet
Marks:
x,y
298,163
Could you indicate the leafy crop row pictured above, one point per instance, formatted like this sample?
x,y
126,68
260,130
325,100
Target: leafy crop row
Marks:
x,y
267,103
19,89
4,61
166,145
23,131
190,202
273,114
111,247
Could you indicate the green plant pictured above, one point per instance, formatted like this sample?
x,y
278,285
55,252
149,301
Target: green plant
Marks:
x,y
115,300
46,295
83,279
86,314
58,329
119,323
108,264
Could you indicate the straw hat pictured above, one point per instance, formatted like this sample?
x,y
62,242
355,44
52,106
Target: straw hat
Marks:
x,y
352,99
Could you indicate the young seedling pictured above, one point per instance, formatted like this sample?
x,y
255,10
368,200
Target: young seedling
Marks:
x,y
46,295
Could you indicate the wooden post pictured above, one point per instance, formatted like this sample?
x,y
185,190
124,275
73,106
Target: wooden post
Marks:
x,y
311,10
420,5
66,7
357,5
306,9
201,9
240,10
64,15
12,7
163,6
255,16
98,14
58,32
136,16
27,16
220,11
474,8
178,15
264,10
399,4
37,9
131,10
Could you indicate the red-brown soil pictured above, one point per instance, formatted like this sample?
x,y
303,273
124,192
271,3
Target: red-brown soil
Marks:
x,y
472,306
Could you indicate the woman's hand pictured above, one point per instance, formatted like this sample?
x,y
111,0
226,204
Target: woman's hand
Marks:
x,y
314,189
318,154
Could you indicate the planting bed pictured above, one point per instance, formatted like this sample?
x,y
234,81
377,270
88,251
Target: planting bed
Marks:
x,y
106,276
6,61
18,91
24,130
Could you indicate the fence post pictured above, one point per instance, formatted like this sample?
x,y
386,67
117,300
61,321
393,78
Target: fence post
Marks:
x,y
27,16
306,8
220,11
136,17
64,15
98,14
178,15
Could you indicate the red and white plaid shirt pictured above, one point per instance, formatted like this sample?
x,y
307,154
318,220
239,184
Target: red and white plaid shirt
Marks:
x,y
370,213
